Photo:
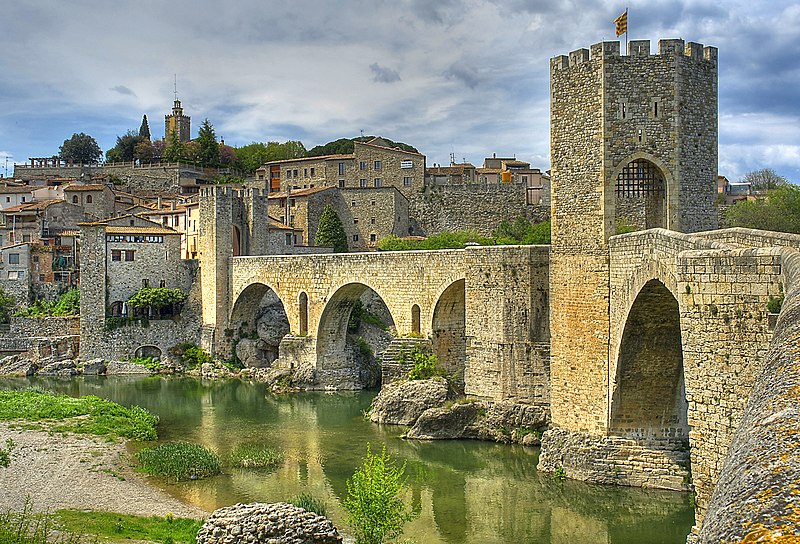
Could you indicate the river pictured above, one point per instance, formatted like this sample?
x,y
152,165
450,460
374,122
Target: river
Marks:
x,y
463,491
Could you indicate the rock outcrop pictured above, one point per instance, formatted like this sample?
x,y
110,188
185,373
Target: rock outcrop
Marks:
x,y
59,368
445,422
124,367
402,402
279,523
14,365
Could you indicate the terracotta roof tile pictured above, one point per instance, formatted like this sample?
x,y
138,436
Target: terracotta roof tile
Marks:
x,y
86,187
141,230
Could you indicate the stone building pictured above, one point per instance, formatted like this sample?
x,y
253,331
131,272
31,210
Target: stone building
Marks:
x,y
97,199
15,277
38,222
178,122
15,195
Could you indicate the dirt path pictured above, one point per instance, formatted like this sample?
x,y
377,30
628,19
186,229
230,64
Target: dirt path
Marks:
x,y
82,473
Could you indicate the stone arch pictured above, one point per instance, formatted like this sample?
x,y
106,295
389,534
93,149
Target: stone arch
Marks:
x,y
148,351
258,322
649,394
337,362
116,309
643,193
448,329
236,240
415,319
302,302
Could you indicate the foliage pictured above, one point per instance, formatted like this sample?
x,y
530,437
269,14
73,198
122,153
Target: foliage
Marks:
x,y
560,474
310,503
179,460
778,211
208,152
346,145
144,129
764,180
191,354
330,232
68,303
84,415
227,155
80,148
374,508
118,322
126,144
522,231
623,228
774,305
6,305
27,527
425,365
251,156
175,150
146,151
150,363
112,526
443,240
225,179
156,297
364,349
254,456
5,454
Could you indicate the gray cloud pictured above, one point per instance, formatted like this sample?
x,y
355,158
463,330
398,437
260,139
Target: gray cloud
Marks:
x,y
122,89
463,73
382,74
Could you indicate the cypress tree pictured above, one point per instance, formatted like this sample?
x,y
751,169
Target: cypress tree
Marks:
x,y
209,148
330,231
144,130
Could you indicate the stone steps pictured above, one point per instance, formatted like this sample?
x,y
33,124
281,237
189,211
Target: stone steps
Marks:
x,y
391,368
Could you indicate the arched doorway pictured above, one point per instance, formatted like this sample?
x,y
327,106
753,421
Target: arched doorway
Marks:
x,y
415,319
236,241
641,195
448,329
257,325
153,352
351,335
649,401
303,302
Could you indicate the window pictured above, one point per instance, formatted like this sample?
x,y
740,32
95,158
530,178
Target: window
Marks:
x,y
406,182
75,199
305,172
116,255
26,237
162,283
353,204
128,254
341,168
362,183
294,173
355,220
292,202
406,164
36,258
373,237
88,199
165,220
175,221
372,202
288,238
525,180
13,258
312,172
145,283
378,165
41,278
13,275
355,237
23,199
362,165
378,182
8,199
372,221
341,184
132,222
623,110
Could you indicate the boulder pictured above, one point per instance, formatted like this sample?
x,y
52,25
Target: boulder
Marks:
x,y
14,365
59,368
94,367
402,402
272,324
124,367
445,422
251,353
279,523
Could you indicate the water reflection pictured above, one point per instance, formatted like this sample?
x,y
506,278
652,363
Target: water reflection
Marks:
x,y
464,491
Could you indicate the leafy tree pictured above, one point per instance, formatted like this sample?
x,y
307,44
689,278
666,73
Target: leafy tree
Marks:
x,y
208,152
779,211
126,144
375,510
80,148
174,151
227,155
251,156
346,145
144,129
144,151
444,240
156,298
330,232
764,180
6,305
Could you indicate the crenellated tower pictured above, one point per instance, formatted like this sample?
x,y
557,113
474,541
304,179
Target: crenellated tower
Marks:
x,y
177,121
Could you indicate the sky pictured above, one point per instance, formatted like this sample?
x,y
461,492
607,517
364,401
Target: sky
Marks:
x,y
462,77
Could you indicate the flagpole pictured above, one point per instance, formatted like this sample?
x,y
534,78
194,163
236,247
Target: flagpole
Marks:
x,y
627,50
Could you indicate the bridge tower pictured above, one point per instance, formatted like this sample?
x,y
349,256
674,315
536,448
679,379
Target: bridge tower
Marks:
x,y
633,141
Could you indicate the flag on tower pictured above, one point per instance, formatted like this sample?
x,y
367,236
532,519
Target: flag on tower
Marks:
x,y
622,23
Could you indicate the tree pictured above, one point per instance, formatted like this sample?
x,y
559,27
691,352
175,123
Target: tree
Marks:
x,y
375,510
6,305
346,145
778,211
80,148
227,155
174,151
764,180
330,232
126,144
251,156
144,129
208,154
144,151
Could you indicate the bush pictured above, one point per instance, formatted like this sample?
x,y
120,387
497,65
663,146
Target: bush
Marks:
x,y
150,363
191,354
443,240
5,454
774,304
254,456
67,304
156,298
426,365
374,508
523,232
311,504
778,211
6,305
85,415
179,460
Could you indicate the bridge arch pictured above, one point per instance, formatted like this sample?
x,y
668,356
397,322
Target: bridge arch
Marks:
x,y
258,322
448,329
644,191
649,393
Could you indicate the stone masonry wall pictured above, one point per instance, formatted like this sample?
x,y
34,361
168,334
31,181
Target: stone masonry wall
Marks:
x,y
29,327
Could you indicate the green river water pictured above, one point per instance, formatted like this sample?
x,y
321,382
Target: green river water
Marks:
x,y
463,491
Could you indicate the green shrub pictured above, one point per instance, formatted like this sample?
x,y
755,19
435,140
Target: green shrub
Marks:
x,y
179,460
425,365
5,454
330,232
560,474
774,305
67,304
26,527
254,456
191,354
374,508
6,305
84,415
310,504
150,363
522,231
623,228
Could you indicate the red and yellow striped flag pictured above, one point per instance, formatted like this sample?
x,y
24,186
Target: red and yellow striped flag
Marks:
x,y
622,23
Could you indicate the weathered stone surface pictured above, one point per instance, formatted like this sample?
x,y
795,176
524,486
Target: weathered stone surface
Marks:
x,y
15,365
94,367
444,422
124,367
59,368
402,402
279,523
251,354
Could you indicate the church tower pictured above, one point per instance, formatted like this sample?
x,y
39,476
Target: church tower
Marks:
x,y
178,122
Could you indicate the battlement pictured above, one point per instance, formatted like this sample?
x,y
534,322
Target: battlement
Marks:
x,y
225,190
636,49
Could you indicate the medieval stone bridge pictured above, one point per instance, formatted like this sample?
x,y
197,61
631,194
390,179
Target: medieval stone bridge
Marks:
x,y
688,333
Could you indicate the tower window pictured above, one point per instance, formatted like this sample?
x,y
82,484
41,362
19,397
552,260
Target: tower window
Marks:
x,y
623,110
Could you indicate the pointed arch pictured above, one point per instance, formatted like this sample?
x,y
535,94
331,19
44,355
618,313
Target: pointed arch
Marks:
x,y
643,192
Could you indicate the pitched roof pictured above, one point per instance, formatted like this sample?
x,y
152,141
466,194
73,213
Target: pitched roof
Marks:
x,y
141,230
32,206
85,187
395,149
300,192
16,190
341,156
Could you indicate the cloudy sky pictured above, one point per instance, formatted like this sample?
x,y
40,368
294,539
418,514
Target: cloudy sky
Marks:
x,y
468,77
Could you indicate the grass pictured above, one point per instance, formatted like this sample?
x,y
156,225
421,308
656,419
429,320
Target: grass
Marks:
x,y
109,525
28,528
255,456
179,460
84,415
310,504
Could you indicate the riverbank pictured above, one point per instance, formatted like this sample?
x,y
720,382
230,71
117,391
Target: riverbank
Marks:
x,y
79,472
